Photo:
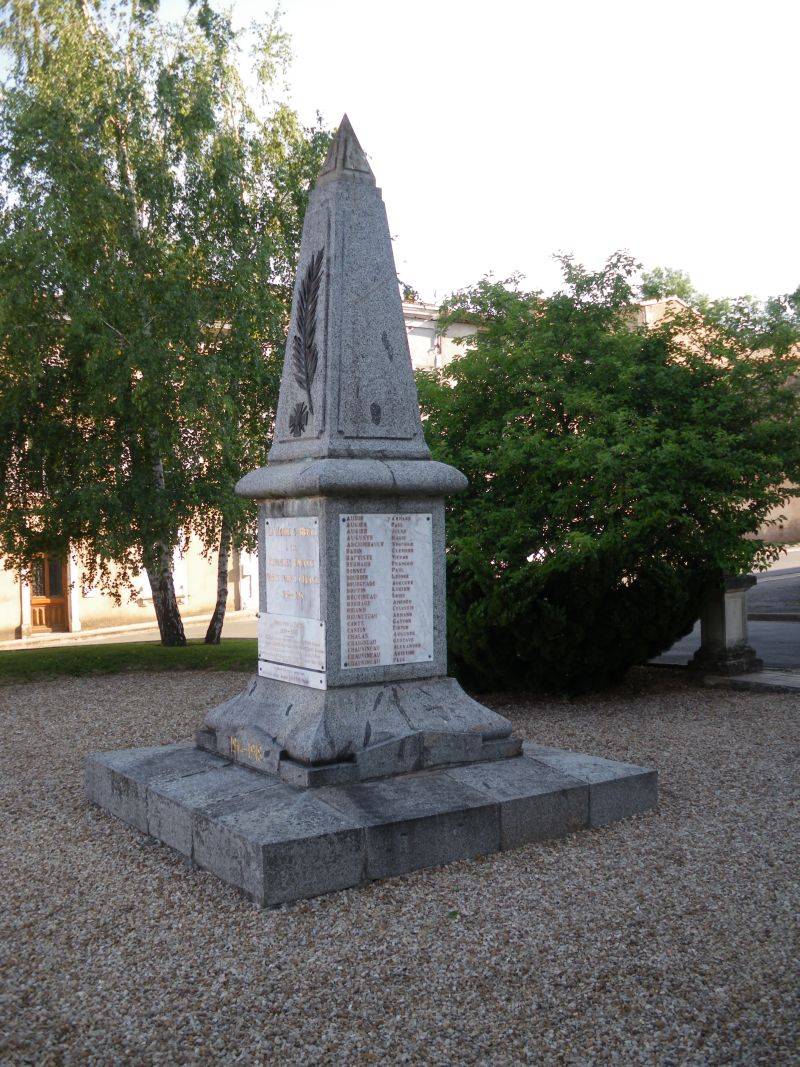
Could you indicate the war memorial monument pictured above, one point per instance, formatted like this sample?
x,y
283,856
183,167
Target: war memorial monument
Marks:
x,y
351,755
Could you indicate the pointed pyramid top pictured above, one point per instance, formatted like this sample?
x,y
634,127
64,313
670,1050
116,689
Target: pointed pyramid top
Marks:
x,y
345,153
347,389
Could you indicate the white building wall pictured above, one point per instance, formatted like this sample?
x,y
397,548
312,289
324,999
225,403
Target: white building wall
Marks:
x,y
429,349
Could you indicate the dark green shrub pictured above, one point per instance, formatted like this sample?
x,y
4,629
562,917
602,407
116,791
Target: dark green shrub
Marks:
x,y
614,471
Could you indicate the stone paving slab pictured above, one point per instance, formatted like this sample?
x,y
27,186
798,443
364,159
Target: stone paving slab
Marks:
x,y
782,681
536,802
119,781
616,790
418,820
174,804
279,843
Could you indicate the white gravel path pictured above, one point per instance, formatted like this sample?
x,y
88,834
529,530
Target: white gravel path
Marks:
x,y
668,939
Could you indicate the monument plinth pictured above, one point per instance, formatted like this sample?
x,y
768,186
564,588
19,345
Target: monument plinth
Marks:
x,y
351,755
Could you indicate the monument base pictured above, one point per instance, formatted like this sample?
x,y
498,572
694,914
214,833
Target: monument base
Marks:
x,y
740,660
412,752
312,737
279,843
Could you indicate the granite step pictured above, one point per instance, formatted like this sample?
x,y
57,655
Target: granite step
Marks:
x,y
278,843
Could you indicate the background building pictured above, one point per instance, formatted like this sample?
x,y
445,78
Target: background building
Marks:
x,y
55,598
431,350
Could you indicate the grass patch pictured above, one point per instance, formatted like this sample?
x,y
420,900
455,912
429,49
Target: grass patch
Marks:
x,y
235,654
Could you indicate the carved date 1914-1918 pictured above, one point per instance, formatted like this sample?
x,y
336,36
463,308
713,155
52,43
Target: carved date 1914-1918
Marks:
x,y
252,750
305,356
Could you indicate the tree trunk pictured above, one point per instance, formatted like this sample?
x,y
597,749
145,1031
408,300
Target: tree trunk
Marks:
x,y
214,630
158,557
165,602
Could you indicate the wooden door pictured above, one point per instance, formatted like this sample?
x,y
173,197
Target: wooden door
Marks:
x,y
48,584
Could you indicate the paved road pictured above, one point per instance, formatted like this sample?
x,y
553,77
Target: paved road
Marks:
x,y
778,590
237,624
240,624
777,643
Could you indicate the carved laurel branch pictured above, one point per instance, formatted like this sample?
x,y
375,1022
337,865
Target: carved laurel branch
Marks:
x,y
304,345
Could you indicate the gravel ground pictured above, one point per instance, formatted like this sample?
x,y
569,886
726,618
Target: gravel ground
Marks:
x,y
668,939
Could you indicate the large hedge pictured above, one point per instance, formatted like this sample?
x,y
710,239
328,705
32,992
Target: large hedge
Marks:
x,y
614,471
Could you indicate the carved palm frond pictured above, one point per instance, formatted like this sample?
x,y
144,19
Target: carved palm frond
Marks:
x,y
304,345
298,419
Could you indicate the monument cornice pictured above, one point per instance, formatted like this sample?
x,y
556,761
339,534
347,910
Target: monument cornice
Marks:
x,y
351,478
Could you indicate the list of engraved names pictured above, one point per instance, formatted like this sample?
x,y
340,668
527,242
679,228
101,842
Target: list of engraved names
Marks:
x,y
386,589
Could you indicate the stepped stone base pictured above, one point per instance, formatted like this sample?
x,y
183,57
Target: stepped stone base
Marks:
x,y
278,842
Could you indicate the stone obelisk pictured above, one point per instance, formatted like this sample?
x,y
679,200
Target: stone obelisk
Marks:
x,y
351,755
352,666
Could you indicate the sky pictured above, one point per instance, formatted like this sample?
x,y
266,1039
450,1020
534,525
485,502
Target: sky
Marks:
x,y
505,131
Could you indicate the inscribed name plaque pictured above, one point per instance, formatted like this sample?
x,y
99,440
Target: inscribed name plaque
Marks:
x,y
386,589
295,642
291,634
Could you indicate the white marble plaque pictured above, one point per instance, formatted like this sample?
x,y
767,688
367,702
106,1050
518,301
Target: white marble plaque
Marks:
x,y
286,639
291,635
386,589
291,548
296,675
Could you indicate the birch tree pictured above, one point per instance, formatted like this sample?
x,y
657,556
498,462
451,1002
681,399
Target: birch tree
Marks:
x,y
149,225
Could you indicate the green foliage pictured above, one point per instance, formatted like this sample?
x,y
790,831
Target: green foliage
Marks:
x,y
31,664
613,473
665,281
757,324
149,228
773,323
